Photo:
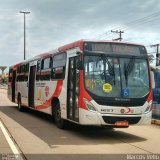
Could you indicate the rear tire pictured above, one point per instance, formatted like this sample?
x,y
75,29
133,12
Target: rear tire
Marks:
x,y
60,122
20,107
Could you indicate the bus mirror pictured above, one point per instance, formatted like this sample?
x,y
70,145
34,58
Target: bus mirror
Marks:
x,y
79,65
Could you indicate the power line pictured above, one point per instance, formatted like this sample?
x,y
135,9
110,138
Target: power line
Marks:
x,y
135,23
144,18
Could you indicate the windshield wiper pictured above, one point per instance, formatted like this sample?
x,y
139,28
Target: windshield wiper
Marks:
x,y
128,69
110,67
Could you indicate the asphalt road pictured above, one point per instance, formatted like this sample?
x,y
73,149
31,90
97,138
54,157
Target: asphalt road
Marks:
x,y
38,138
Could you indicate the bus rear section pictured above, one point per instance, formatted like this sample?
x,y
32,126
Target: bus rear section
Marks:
x,y
12,83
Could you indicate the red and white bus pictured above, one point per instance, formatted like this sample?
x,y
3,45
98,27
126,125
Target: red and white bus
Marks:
x,y
86,82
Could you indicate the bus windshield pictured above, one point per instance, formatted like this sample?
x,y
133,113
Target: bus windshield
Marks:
x,y
124,77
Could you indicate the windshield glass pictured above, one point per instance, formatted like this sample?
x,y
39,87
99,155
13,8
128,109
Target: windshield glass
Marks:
x,y
116,77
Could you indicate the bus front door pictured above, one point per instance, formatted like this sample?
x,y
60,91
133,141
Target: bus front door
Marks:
x,y
13,86
31,86
73,90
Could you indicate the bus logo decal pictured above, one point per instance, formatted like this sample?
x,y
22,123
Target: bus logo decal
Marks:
x,y
127,111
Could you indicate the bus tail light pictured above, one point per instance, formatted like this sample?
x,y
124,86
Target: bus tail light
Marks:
x,y
89,105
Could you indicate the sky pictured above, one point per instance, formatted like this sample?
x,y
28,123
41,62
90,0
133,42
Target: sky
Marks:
x,y
54,23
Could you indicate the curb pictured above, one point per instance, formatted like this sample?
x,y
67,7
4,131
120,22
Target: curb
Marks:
x,y
156,121
17,152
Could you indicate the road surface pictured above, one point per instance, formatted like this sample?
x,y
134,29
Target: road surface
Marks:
x,y
35,134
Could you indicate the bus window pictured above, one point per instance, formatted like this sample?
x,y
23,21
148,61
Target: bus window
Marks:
x,y
38,73
20,73
46,69
26,71
59,63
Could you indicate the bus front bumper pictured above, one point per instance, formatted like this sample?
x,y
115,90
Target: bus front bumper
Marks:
x,y
87,117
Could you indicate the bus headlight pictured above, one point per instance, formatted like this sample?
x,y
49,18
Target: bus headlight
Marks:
x,y
89,105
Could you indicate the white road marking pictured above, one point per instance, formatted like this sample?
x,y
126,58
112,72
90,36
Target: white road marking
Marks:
x,y
10,142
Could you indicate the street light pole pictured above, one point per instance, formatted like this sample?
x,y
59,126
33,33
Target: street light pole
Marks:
x,y
24,32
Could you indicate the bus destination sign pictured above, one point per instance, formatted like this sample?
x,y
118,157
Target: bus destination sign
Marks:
x,y
114,47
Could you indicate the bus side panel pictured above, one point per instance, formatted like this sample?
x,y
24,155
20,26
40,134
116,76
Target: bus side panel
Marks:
x,y
23,90
44,91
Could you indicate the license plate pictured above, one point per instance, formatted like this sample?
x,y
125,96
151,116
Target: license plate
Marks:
x,y
122,124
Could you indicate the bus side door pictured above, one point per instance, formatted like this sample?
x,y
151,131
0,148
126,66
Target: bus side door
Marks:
x,y
73,89
31,84
13,86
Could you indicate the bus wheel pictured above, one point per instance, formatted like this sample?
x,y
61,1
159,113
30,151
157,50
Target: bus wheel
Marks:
x,y
60,123
20,107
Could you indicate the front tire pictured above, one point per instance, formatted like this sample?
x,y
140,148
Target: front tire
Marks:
x,y
60,122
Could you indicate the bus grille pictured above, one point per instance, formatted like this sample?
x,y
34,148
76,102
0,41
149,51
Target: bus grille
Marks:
x,y
113,120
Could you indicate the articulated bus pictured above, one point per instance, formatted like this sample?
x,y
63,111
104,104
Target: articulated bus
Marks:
x,y
101,83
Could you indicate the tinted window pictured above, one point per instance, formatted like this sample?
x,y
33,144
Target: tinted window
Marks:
x,y
59,60
59,63
26,72
20,73
46,68
38,73
46,63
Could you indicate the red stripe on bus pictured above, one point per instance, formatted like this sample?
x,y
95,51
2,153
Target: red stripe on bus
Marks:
x,y
46,104
150,97
58,88
83,92
72,45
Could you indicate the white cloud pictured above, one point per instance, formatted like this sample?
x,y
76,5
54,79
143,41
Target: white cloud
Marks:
x,y
53,23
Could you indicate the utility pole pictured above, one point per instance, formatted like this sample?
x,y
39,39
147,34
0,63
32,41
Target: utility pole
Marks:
x,y
120,34
24,32
157,54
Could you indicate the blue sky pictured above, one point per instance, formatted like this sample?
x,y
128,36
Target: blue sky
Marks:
x,y
53,23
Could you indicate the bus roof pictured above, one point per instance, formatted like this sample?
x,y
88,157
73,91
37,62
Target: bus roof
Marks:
x,y
14,67
75,44
80,44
